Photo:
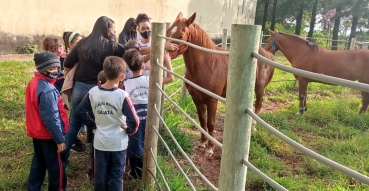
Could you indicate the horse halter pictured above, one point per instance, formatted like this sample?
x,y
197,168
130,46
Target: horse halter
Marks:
x,y
273,44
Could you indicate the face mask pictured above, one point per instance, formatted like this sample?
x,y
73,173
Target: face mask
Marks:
x,y
146,34
52,75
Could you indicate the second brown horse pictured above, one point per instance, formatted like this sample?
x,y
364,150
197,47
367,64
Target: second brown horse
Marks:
x,y
209,71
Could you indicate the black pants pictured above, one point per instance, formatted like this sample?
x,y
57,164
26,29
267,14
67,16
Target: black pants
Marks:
x,y
46,157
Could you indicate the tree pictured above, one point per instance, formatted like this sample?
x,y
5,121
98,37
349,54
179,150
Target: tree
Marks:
x,y
336,27
265,16
313,19
299,18
360,9
274,14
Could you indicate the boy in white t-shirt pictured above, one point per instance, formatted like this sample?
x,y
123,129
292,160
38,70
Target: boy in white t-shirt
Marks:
x,y
115,119
138,88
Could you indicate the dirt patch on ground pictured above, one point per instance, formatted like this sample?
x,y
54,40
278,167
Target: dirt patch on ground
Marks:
x,y
210,167
16,57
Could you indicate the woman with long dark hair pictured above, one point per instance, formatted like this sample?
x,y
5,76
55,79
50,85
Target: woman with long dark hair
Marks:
x,y
129,32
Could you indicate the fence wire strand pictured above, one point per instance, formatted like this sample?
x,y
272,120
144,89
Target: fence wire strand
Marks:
x,y
267,179
217,143
206,181
156,180
157,166
175,160
309,152
207,92
195,46
315,76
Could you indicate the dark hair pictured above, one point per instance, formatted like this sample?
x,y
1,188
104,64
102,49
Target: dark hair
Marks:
x,y
142,17
113,67
98,40
51,44
132,44
127,33
101,77
66,36
133,59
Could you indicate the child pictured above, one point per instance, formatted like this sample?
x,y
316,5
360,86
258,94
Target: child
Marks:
x,y
91,132
138,87
47,123
131,44
115,119
55,46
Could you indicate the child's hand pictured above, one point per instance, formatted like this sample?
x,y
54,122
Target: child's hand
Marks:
x,y
61,147
124,127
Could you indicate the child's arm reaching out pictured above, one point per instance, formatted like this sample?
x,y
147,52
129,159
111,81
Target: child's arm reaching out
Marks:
x,y
167,63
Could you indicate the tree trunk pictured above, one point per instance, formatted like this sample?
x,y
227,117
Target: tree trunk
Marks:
x,y
265,17
355,20
336,26
313,19
299,19
274,14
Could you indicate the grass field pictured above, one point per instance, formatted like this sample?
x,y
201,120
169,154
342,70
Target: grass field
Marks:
x,y
331,127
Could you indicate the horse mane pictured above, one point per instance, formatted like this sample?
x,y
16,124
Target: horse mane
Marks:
x,y
202,36
312,46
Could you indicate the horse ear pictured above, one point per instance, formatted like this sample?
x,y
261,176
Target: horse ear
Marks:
x,y
271,32
180,15
191,19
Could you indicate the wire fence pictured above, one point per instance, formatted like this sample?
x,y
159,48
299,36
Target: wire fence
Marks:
x,y
308,152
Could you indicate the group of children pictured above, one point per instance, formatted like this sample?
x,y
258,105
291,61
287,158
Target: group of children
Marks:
x,y
114,112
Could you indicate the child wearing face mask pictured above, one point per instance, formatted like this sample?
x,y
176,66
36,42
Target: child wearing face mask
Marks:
x,y
55,46
46,123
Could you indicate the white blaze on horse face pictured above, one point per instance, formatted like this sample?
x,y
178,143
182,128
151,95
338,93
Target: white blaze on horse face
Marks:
x,y
174,30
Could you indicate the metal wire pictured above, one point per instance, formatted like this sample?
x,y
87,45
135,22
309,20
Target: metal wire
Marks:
x,y
157,166
195,46
175,160
206,181
156,180
217,143
309,152
207,92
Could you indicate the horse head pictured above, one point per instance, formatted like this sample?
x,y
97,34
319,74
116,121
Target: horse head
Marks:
x,y
271,41
180,29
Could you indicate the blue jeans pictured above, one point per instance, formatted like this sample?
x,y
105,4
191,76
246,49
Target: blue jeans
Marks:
x,y
79,91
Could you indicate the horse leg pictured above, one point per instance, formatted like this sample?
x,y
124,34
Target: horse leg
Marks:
x,y
303,83
201,112
364,101
259,92
212,110
305,105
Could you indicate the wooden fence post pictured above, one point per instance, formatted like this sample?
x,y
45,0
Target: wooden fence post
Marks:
x,y
261,38
240,96
224,39
156,76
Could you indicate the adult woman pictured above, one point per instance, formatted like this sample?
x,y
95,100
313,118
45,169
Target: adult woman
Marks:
x,y
129,32
144,29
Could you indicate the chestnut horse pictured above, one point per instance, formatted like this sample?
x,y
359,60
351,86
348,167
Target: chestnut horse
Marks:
x,y
345,64
209,71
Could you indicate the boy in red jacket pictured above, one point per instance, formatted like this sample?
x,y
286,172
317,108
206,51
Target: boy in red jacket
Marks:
x,y
47,123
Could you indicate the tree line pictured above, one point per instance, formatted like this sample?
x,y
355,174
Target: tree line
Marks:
x,y
335,17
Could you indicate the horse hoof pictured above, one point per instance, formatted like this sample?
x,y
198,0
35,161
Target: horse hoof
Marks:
x,y
201,146
208,153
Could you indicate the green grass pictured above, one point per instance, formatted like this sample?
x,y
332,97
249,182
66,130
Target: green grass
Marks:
x,y
331,127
